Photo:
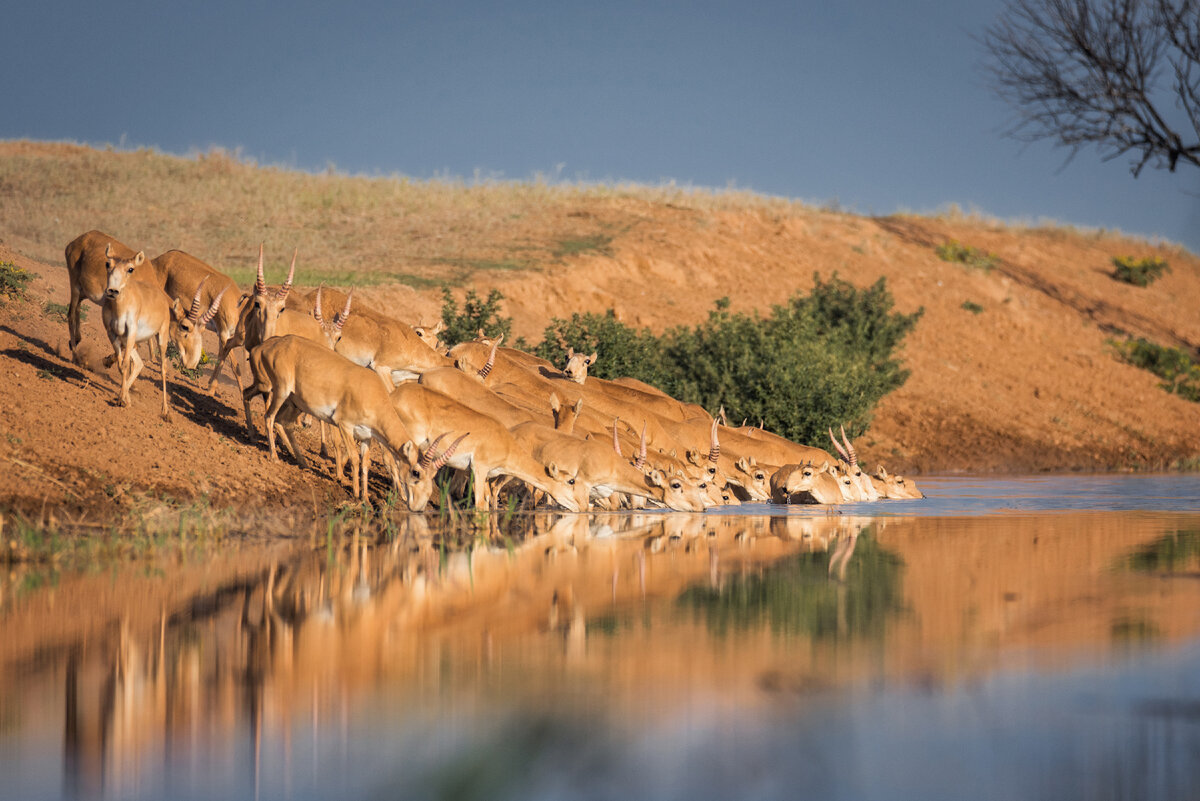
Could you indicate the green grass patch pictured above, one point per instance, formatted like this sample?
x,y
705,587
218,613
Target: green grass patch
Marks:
x,y
972,307
173,355
1139,272
1175,366
966,255
575,246
58,311
245,277
13,280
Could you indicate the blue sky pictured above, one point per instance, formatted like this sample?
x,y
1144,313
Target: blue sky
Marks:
x,y
879,106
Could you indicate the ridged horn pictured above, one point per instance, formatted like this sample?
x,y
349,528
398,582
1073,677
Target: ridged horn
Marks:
x,y
616,440
427,457
486,370
194,312
317,307
841,451
260,283
287,286
850,449
212,309
714,446
641,459
446,454
340,318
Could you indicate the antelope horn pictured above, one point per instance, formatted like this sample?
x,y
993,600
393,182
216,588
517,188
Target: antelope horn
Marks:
x,y
714,448
446,454
317,307
287,287
260,283
486,370
340,318
194,312
212,309
427,457
850,449
616,442
641,459
841,451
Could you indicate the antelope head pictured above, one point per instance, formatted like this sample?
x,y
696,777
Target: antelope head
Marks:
x,y
577,365
429,334
266,306
756,481
333,331
416,478
564,416
895,486
119,271
187,325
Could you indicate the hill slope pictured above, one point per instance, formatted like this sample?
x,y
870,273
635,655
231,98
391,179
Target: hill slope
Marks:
x,y
1024,382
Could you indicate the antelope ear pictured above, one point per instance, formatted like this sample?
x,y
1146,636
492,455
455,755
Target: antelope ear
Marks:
x,y
555,406
656,478
578,406
177,309
693,457
552,470
439,328
592,359
743,464
409,451
139,258
108,250
570,353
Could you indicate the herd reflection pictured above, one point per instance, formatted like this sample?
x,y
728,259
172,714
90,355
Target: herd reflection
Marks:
x,y
625,607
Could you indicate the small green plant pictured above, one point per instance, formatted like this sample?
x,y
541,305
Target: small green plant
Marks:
x,y
58,311
1175,366
13,280
966,255
177,360
1139,272
972,307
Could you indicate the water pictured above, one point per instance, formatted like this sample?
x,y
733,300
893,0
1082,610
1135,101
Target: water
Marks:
x,y
1002,639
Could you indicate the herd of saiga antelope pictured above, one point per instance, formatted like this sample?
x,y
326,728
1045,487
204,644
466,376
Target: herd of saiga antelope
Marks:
x,y
501,413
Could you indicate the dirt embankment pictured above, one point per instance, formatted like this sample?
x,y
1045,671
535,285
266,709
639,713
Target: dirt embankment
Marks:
x,y
1010,366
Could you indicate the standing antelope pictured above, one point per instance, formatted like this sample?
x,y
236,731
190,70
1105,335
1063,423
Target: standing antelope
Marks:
x,y
87,256
301,376
135,311
182,275
489,450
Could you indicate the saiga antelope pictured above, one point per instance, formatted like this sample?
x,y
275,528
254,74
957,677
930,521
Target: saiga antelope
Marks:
x,y
134,311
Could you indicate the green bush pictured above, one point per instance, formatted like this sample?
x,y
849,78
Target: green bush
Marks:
x,y
476,314
620,350
1139,272
820,360
1180,373
966,255
13,280
972,307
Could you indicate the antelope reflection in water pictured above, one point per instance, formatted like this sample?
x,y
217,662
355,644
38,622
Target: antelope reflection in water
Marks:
x,y
296,640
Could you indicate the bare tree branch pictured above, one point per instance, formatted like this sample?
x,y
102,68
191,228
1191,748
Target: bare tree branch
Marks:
x,y
1103,73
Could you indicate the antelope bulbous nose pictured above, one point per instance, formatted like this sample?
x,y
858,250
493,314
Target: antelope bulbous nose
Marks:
x,y
111,293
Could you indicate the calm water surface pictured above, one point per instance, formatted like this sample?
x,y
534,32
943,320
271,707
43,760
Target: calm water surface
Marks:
x,y
1014,638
